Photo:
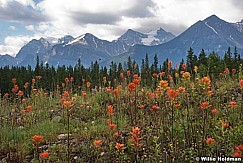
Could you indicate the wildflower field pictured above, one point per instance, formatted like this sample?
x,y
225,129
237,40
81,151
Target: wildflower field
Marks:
x,y
180,116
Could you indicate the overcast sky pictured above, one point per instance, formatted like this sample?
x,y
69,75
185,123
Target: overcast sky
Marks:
x,y
23,20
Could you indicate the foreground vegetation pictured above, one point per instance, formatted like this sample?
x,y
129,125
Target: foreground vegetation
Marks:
x,y
180,116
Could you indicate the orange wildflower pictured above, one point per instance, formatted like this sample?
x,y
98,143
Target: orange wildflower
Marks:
x,y
186,75
161,74
84,94
181,89
88,84
177,105
65,94
224,125
141,106
210,141
112,126
20,93
66,80
110,110
136,137
206,81
163,83
172,93
232,104
44,155
154,107
115,92
33,80
37,138
241,84
214,111
169,65
184,66
97,143
29,108
238,151
136,81
135,76
121,75
119,146
131,87
155,75
195,68
205,105
67,103
72,79
116,134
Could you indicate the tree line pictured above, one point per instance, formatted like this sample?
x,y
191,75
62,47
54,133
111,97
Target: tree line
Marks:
x,y
51,77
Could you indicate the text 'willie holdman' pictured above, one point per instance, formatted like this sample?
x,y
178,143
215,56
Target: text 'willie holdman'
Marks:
x,y
230,159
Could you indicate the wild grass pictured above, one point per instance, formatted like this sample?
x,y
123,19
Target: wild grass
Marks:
x,y
178,118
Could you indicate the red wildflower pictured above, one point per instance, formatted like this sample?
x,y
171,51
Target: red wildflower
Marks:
x,y
29,108
119,146
88,84
136,137
66,80
72,79
214,111
136,81
205,105
131,87
224,125
154,107
121,75
232,104
20,93
37,138
241,83
115,92
116,134
210,141
112,126
238,151
110,110
97,143
172,93
233,71
169,65
44,155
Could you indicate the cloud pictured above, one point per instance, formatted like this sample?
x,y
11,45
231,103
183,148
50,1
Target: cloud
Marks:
x,y
30,27
19,12
85,18
12,27
12,44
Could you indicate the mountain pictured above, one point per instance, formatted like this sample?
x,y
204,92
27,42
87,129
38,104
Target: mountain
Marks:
x,y
86,47
7,60
211,34
238,25
27,54
65,39
153,37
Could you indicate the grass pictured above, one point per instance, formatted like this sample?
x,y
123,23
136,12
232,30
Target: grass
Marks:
x,y
178,121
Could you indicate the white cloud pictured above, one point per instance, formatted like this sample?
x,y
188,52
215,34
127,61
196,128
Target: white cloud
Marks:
x,y
12,27
30,27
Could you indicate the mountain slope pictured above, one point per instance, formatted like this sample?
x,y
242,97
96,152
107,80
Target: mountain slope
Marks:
x,y
154,37
211,34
